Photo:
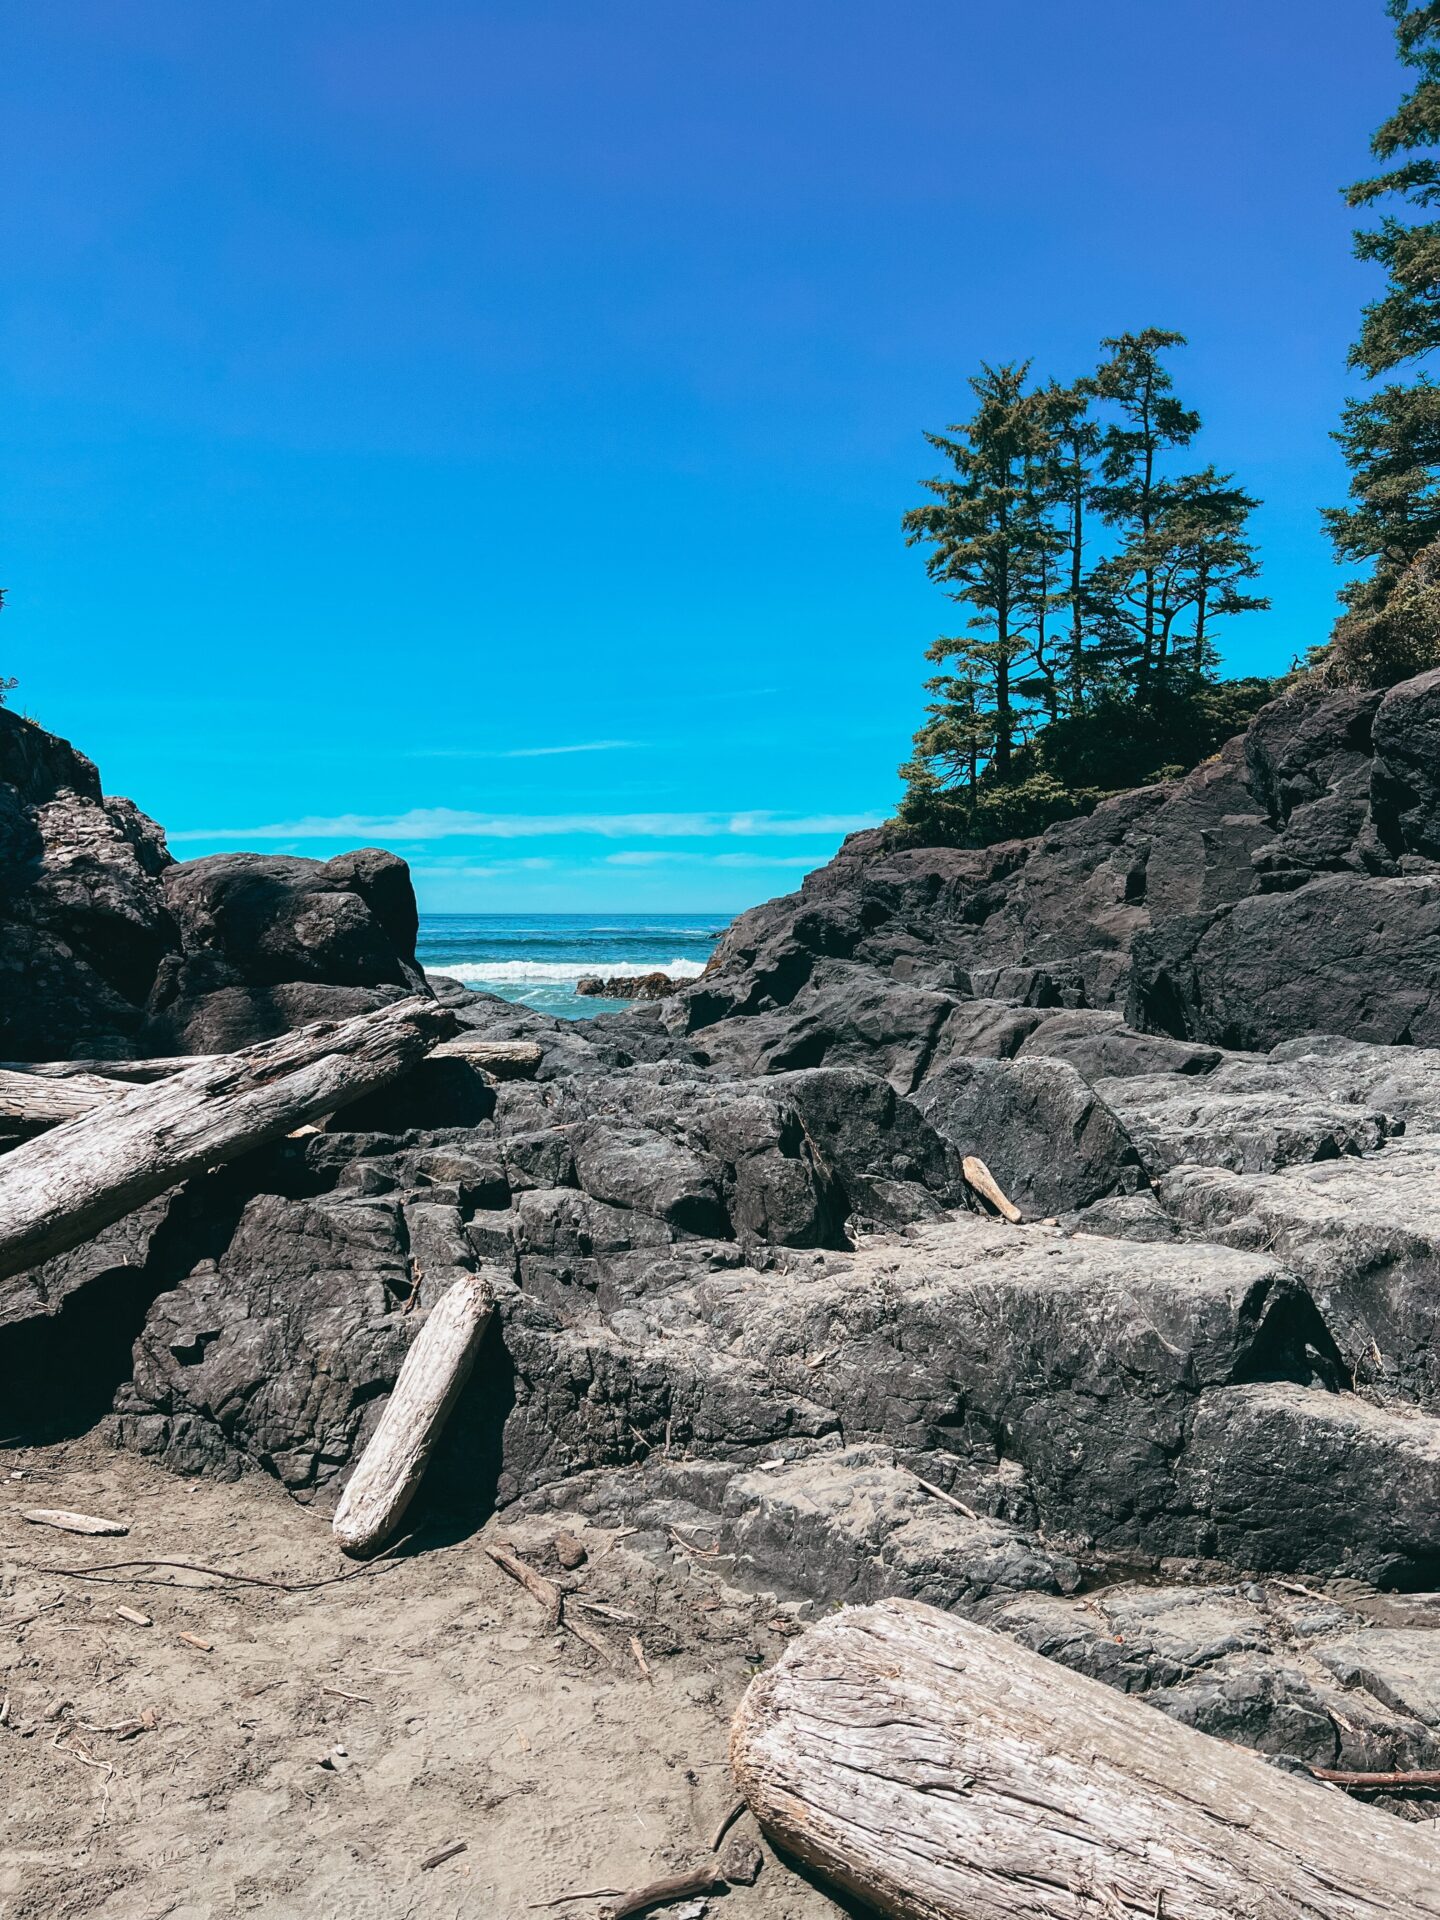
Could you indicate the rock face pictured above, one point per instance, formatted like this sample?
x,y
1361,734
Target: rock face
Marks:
x,y
624,986
109,948
1179,1428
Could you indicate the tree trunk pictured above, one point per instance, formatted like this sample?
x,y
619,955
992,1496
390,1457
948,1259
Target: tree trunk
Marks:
x,y
64,1187
42,1094
29,1105
942,1772
435,1370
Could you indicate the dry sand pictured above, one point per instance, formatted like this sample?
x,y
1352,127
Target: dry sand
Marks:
x,y
474,1721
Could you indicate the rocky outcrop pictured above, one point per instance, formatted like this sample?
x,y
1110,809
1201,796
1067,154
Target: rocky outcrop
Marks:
x,y
1288,886
111,949
626,986
1179,1428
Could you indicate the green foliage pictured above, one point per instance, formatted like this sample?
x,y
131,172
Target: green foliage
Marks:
x,y
1092,579
1391,438
1405,321
1391,630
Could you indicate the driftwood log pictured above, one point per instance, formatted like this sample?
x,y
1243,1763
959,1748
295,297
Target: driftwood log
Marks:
x,y
49,1093
941,1772
62,1188
29,1105
435,1369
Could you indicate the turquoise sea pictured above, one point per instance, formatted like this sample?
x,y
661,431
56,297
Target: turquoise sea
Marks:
x,y
538,957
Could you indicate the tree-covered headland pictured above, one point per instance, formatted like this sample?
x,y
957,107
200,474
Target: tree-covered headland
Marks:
x,y
1093,562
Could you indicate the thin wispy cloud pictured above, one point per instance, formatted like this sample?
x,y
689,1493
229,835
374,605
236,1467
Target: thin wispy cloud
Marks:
x,y
518,753
455,823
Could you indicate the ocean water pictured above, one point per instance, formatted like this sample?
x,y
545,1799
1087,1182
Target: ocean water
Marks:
x,y
538,957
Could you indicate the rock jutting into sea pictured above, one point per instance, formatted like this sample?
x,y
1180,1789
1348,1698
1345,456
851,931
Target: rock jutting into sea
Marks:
x,y
1179,1429
642,986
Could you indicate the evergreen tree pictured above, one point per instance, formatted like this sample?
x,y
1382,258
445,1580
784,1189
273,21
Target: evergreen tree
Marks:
x,y
983,525
1132,494
1391,443
1074,445
1191,566
1404,322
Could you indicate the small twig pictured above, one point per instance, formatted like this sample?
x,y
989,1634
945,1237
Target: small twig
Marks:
x,y
1418,1782
679,1886
26,1618
98,1569
588,1893
701,1553
582,1630
535,1584
341,1694
948,1498
445,1853
599,1606
639,1652
731,1816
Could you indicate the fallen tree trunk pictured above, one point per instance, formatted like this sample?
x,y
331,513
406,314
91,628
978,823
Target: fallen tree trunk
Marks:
x,y
940,1772
435,1370
29,1105
48,1093
62,1188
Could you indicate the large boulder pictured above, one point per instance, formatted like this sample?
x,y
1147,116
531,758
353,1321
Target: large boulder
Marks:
x,y
1405,776
270,942
83,919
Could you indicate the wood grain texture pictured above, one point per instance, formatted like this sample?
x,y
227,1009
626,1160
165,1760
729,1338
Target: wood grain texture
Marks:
x,y
941,1772
30,1105
60,1189
435,1369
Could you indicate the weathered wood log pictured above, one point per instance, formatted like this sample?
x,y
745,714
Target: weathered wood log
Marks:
x,y
35,1096
979,1176
65,1186
435,1369
29,1105
941,1772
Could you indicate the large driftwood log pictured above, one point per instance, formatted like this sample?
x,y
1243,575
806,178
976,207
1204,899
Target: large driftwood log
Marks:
x,y
65,1186
435,1370
36,1096
29,1105
941,1772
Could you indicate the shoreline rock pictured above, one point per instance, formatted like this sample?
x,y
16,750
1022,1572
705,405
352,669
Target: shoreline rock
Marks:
x,y
623,986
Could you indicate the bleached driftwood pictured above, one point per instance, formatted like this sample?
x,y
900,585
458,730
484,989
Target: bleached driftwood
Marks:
x,y
941,1772
63,1187
29,1105
435,1369
38,1095
979,1176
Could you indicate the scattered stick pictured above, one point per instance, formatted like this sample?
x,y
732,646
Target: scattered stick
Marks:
x,y
582,1630
639,1653
200,1646
71,1522
726,1823
587,1893
660,1893
1420,1782
341,1694
535,1584
134,1616
948,1498
26,1618
606,1613
979,1176
101,1570
445,1853
701,1553
435,1369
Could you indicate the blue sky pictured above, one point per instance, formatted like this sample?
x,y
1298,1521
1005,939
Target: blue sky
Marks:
x,y
483,429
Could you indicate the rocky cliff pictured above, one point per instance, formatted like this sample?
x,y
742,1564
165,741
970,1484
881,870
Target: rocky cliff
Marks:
x,y
1180,1427
110,948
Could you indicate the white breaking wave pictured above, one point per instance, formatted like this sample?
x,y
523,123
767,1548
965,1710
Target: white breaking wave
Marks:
x,y
478,973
